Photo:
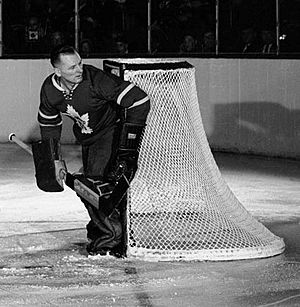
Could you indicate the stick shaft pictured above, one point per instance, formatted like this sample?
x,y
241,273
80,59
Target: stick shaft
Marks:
x,y
12,137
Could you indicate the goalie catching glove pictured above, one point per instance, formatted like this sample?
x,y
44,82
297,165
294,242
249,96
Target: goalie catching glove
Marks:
x,y
125,163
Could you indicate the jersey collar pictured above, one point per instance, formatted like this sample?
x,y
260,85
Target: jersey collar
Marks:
x,y
57,85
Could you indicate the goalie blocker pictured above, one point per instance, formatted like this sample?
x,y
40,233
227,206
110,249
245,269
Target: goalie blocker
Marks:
x,y
50,169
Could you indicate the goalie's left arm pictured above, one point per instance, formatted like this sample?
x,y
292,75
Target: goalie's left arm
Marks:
x,y
134,104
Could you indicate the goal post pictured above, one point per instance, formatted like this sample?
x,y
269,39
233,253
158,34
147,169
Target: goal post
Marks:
x,y
179,206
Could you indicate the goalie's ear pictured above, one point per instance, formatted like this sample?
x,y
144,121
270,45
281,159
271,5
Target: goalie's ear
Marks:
x,y
57,71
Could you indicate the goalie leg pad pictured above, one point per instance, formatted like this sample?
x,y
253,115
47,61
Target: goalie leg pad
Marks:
x,y
105,233
49,168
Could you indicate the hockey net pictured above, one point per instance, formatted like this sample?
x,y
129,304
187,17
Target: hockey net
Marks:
x,y
179,206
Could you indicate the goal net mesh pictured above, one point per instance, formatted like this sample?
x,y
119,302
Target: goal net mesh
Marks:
x,y
179,206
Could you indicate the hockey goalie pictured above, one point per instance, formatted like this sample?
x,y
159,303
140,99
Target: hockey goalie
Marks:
x,y
109,117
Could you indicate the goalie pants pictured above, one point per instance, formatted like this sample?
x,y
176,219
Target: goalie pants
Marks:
x,y
105,233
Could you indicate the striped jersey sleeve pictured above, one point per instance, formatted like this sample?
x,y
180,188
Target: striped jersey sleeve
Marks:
x,y
131,96
137,103
49,118
47,114
124,93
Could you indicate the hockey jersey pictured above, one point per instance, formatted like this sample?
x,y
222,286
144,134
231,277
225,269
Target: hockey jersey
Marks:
x,y
92,104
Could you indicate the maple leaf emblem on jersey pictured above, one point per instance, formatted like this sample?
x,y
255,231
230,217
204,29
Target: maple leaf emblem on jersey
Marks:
x,y
82,121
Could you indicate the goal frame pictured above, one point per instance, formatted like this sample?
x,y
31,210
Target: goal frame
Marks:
x,y
224,218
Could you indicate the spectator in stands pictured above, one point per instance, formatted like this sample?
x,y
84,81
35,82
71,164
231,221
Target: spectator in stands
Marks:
x,y
249,41
289,39
188,45
56,38
209,42
268,39
34,36
86,48
119,43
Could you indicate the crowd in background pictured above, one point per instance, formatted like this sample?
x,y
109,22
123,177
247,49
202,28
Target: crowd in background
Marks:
x,y
177,26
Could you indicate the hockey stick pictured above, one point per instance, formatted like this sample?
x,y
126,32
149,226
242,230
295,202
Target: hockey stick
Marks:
x,y
12,138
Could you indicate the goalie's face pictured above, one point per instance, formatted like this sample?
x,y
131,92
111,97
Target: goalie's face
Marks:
x,y
69,68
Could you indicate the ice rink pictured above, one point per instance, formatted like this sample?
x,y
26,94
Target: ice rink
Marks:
x,y
43,259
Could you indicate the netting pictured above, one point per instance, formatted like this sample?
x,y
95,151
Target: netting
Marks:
x,y
179,206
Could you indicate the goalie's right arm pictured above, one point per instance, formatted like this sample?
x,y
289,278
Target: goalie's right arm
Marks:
x,y
50,169
49,118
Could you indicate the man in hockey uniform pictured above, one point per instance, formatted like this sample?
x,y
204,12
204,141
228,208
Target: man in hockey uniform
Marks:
x,y
104,108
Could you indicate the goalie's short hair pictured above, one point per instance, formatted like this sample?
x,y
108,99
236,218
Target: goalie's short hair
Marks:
x,y
57,51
